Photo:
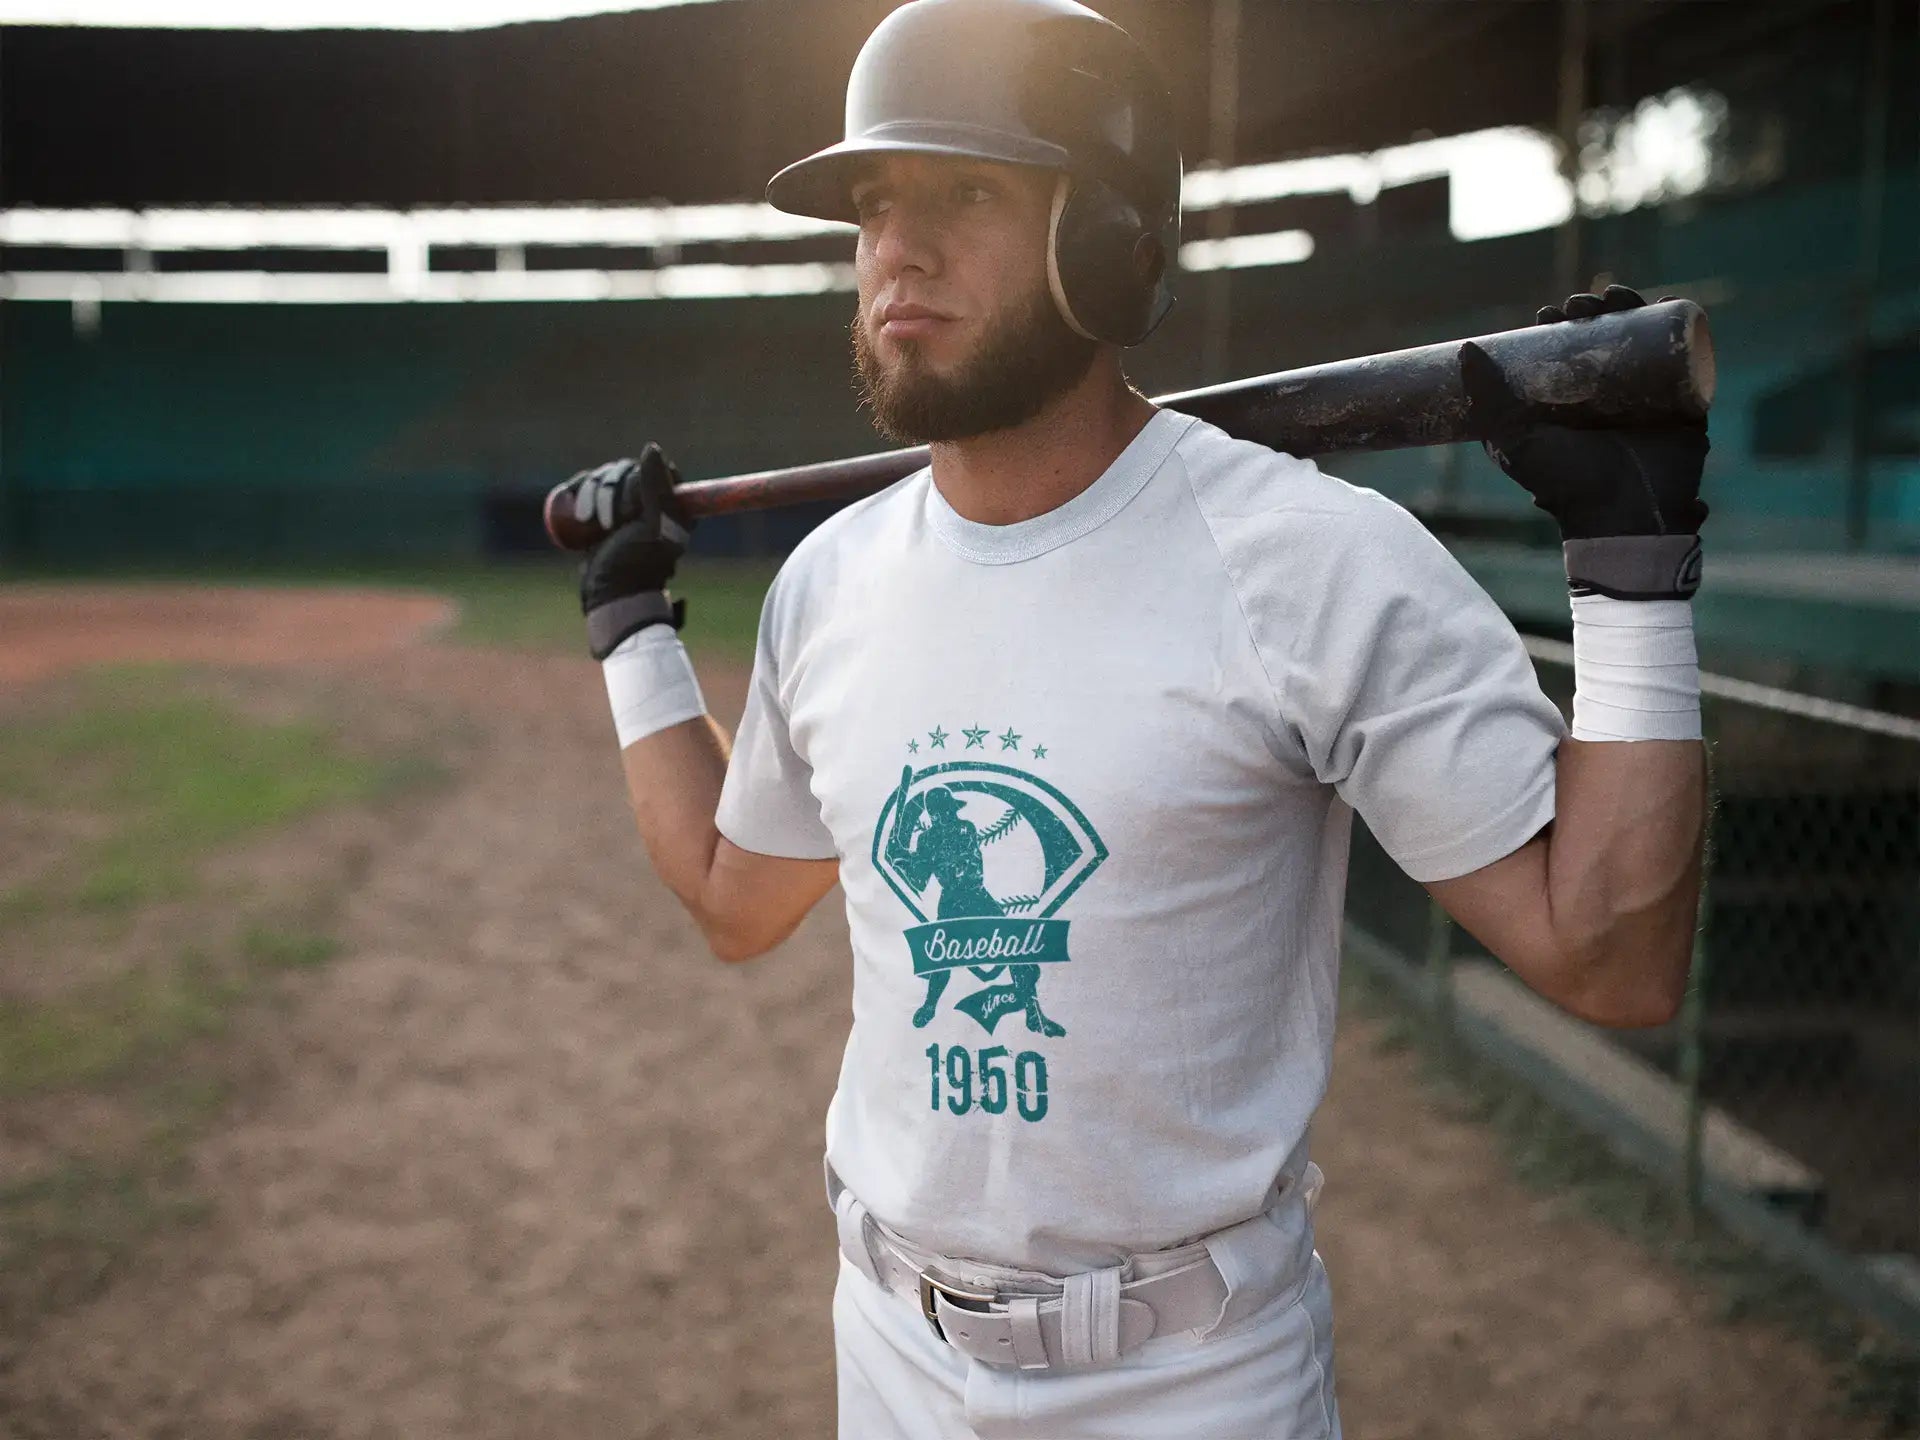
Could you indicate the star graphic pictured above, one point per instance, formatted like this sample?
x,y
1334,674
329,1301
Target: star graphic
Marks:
x,y
938,737
975,736
1039,752
913,747
1009,741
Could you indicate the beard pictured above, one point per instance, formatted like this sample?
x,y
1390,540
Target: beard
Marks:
x,y
1027,358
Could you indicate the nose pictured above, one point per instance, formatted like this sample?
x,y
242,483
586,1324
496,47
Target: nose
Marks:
x,y
903,239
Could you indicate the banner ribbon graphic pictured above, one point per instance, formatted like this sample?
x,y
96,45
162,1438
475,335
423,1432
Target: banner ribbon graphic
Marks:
x,y
986,941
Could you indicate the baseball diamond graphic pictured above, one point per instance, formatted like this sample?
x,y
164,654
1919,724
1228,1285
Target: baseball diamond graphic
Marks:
x,y
996,852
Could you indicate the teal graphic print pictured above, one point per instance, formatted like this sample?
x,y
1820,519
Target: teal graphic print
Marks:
x,y
994,852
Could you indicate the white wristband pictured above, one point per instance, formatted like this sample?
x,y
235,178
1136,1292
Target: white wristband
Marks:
x,y
1636,673
650,684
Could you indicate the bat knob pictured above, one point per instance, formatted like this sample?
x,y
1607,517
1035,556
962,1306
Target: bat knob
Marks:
x,y
566,529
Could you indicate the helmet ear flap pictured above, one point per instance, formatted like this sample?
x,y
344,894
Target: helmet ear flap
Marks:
x,y
1107,265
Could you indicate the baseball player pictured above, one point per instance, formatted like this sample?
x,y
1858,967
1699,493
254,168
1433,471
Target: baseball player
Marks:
x,y
1079,717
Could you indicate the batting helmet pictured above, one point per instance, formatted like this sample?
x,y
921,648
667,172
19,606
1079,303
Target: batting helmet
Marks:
x,y
939,800
1026,82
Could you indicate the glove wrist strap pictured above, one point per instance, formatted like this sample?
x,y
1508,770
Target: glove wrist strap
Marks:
x,y
651,684
1636,673
609,624
1634,567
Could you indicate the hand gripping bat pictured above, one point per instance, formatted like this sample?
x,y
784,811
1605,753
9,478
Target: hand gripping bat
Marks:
x,y
1636,367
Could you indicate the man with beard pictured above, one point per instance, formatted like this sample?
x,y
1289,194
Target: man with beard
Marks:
x,y
1190,660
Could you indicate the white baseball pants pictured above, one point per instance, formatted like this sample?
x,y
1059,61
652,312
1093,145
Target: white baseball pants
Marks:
x,y
1269,1377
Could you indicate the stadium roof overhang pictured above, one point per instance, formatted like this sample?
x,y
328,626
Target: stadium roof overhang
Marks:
x,y
581,110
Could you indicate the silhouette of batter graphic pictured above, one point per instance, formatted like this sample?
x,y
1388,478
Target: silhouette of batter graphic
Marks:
x,y
948,849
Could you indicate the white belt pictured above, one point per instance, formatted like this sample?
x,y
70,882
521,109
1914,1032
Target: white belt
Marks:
x,y
1094,1317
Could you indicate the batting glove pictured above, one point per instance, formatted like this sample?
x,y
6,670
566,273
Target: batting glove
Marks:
x,y
1627,500
623,579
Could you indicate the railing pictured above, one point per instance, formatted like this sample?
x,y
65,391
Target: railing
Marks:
x,y
1785,1098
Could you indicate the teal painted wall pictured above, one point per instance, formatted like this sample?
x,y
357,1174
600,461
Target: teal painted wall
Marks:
x,y
344,431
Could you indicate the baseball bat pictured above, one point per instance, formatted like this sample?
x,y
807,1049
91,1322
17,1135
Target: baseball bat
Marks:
x,y
1644,366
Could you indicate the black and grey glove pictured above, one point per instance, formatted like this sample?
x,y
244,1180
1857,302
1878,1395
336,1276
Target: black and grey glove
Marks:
x,y
624,578
1627,500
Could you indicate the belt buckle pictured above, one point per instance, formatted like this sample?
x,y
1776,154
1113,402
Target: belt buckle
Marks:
x,y
933,1285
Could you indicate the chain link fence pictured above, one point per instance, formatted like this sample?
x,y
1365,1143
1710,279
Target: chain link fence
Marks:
x,y
1785,1097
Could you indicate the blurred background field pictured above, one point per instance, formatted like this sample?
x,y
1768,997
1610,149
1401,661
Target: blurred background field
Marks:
x,y
136,928
392,1096
527,604
356,1077
127,950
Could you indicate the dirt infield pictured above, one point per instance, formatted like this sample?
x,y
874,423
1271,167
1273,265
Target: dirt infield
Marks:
x,y
524,1161
47,629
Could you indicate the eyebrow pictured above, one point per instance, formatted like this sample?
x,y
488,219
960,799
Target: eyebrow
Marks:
x,y
872,179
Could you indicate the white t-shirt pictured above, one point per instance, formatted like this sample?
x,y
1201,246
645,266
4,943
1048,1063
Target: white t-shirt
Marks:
x,y
1090,779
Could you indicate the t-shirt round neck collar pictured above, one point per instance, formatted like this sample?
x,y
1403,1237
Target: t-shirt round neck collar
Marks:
x,y
1129,473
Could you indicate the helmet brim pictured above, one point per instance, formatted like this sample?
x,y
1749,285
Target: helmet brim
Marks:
x,y
821,186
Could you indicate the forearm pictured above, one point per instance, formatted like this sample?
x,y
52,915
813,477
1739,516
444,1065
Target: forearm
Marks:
x,y
1623,871
1599,914
673,786
674,756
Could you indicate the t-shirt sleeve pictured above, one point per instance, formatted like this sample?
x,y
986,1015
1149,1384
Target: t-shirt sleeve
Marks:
x,y
767,803
1415,698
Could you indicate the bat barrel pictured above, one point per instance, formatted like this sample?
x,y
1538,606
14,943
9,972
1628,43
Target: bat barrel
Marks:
x,y
1637,367
1646,366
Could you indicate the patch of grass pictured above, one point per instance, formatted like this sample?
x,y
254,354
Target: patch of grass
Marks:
x,y
723,604
101,1033
63,1233
134,1021
170,777
23,904
119,882
275,949
180,1103
155,779
536,605
1551,1153
528,605
403,774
